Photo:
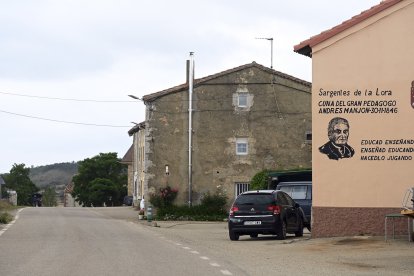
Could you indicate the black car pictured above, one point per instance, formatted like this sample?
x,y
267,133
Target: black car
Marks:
x,y
128,200
265,212
301,192
37,200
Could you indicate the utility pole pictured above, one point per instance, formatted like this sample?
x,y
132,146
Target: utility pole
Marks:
x,y
190,127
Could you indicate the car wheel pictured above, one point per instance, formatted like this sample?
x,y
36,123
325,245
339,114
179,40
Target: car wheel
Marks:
x,y
281,234
255,235
234,236
299,233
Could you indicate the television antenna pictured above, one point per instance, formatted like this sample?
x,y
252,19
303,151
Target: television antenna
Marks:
x,y
271,48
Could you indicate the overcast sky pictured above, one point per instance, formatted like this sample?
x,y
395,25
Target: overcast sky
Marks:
x,y
73,62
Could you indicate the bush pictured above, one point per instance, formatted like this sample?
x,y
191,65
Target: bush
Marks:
x,y
259,180
164,198
214,203
5,218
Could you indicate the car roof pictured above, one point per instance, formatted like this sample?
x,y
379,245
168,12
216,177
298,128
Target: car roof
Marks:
x,y
295,183
260,192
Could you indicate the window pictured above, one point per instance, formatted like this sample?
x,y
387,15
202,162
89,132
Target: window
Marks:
x,y
308,137
281,199
242,99
289,200
241,146
241,188
296,192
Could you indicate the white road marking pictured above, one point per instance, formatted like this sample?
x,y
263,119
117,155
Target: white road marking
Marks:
x,y
223,271
7,226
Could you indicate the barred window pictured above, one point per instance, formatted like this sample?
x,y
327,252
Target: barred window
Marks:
x,y
240,187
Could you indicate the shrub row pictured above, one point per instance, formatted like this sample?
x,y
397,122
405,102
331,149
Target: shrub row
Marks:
x,y
211,208
193,213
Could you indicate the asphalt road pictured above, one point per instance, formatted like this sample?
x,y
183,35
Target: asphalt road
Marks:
x,y
82,241
111,241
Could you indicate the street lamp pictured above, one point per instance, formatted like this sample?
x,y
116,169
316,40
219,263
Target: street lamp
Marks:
x,y
134,97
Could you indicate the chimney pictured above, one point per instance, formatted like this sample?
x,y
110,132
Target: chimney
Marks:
x,y
187,71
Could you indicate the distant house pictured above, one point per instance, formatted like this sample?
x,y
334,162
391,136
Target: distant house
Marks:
x,y
244,120
68,200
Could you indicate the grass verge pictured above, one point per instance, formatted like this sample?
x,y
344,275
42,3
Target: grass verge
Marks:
x,y
5,218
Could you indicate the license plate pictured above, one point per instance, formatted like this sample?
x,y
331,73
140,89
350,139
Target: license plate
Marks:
x,y
251,222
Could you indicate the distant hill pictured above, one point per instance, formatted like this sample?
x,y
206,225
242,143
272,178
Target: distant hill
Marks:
x,y
58,175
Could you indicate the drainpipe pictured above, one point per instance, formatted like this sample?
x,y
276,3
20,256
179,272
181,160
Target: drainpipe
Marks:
x,y
190,126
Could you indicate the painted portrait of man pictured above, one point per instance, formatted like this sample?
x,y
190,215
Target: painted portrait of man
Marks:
x,y
337,147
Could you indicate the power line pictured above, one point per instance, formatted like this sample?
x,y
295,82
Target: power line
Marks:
x,y
59,121
65,99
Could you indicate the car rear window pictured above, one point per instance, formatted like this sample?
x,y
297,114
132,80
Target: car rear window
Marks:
x,y
255,199
295,191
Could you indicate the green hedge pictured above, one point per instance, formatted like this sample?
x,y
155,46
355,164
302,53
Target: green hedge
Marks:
x,y
193,213
212,208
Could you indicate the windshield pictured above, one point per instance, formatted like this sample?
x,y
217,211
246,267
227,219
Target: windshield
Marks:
x,y
255,199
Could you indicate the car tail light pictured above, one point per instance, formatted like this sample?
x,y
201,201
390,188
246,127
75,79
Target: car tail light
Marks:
x,y
233,209
274,208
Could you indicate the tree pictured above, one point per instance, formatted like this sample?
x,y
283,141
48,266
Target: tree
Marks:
x,y
19,181
100,179
259,180
104,191
49,197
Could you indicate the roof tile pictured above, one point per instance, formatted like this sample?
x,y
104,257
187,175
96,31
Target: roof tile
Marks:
x,y
305,47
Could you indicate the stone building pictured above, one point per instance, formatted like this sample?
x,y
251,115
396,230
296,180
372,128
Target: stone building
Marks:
x,y
244,120
136,171
363,73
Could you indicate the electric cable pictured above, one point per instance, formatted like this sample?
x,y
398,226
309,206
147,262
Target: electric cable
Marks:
x,y
61,121
67,99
